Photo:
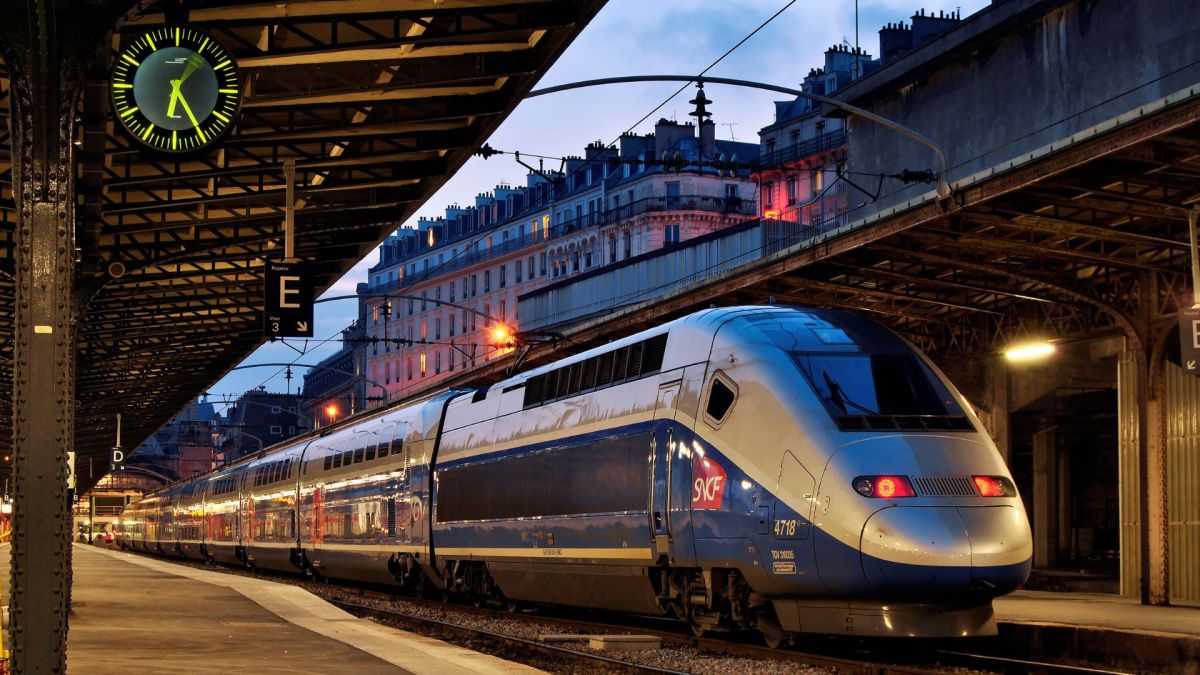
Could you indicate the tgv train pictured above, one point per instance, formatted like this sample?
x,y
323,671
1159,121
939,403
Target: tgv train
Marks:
x,y
777,468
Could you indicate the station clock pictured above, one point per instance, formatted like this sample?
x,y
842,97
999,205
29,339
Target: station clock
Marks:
x,y
175,90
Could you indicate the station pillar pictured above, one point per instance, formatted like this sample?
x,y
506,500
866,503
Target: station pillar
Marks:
x,y
45,45
1145,563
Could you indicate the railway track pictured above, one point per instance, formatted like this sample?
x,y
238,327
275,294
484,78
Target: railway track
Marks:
x,y
871,661
883,658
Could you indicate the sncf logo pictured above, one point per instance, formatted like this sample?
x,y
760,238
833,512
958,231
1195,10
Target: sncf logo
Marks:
x,y
708,484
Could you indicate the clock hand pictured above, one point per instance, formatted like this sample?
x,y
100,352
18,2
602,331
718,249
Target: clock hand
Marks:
x,y
174,97
186,109
194,61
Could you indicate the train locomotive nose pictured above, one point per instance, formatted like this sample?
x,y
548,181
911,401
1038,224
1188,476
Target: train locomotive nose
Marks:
x,y
946,550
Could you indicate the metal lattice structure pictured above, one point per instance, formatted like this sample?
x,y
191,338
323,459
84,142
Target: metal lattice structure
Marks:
x,y
377,102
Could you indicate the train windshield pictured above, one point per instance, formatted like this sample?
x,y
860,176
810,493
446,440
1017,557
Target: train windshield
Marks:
x,y
880,391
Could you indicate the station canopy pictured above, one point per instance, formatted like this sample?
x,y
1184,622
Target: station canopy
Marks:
x,y
377,101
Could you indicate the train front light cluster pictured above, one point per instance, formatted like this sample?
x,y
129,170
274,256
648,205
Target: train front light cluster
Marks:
x,y
994,486
884,487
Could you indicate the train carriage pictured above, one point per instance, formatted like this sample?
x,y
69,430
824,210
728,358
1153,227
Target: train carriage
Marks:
x,y
189,520
778,468
222,515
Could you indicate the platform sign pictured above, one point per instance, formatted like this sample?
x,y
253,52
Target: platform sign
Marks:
x,y
289,300
118,459
1189,340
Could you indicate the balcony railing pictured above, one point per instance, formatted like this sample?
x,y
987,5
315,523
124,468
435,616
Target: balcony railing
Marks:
x,y
479,252
805,148
728,205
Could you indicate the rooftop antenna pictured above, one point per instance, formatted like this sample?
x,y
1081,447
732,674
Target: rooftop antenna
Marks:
x,y
731,125
857,59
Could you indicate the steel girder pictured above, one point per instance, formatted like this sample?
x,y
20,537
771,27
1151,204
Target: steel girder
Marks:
x,y
377,103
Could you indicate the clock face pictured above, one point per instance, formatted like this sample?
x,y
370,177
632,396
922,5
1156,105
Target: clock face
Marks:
x,y
176,89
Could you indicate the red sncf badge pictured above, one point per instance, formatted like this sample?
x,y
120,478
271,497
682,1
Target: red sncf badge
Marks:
x,y
708,483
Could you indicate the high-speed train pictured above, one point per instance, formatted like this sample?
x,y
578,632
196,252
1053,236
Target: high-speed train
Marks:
x,y
774,468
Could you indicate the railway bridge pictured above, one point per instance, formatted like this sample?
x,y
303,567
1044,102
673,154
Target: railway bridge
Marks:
x,y
1071,135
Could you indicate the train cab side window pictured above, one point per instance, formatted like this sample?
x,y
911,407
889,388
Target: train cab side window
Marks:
x,y
721,395
328,462
383,449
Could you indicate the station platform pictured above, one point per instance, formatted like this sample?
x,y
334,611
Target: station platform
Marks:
x,y
136,614
1103,629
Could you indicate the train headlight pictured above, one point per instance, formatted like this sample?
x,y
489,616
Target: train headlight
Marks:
x,y
884,487
994,486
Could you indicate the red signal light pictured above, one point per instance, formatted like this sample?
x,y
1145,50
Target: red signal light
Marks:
x,y
992,486
884,487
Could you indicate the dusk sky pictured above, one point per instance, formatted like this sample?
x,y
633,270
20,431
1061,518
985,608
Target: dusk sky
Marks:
x,y
627,37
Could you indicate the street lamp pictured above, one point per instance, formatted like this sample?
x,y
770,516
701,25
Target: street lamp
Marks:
x,y
332,411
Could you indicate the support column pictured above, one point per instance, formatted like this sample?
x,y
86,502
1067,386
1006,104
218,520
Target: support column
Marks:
x,y
1001,410
45,87
1149,345
1045,498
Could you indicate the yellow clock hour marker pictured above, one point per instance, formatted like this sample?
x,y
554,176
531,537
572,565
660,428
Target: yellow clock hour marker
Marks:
x,y
130,59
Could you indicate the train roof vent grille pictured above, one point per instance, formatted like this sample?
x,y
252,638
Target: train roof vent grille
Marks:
x,y
945,486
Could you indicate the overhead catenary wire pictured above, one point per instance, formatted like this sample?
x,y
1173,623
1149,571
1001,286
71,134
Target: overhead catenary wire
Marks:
x,y
480,237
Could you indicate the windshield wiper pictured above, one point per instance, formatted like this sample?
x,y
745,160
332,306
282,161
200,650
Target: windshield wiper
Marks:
x,y
839,399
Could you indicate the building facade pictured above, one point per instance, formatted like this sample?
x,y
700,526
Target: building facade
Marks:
x,y
806,187
338,386
443,296
260,419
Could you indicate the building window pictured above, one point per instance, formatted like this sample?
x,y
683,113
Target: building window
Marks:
x,y
422,364
671,235
543,264
276,430
474,285
487,281
452,285
768,193
731,191
503,276
517,271
587,259
791,192
451,352
450,319
410,368
437,328
531,270
817,180
628,244
612,248
375,313
503,313
437,362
